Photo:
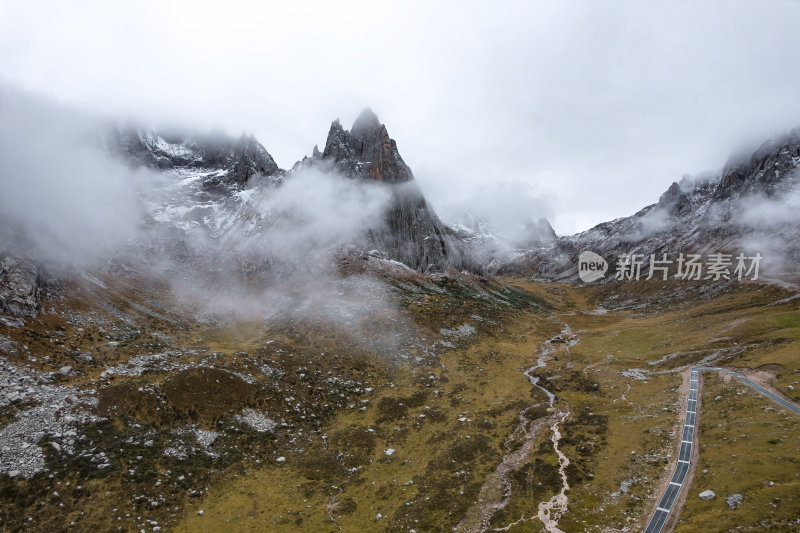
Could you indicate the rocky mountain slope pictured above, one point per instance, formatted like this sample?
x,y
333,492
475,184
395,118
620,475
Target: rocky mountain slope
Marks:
x,y
749,207
493,248
235,161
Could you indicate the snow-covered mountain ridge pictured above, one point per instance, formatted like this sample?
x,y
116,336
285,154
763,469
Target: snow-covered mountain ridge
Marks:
x,y
749,207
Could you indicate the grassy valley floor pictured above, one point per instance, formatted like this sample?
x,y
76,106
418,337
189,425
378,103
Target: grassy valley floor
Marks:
x,y
390,436
450,425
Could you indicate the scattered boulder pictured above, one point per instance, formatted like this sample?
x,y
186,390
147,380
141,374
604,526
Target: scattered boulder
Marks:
x,y
707,495
7,345
734,500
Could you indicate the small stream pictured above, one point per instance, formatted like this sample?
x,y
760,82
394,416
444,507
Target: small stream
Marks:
x,y
541,363
549,512
552,510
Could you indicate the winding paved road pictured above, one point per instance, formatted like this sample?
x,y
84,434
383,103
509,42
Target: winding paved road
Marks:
x,y
667,501
771,395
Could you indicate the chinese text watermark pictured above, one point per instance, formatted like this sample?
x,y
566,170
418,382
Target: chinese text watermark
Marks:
x,y
634,267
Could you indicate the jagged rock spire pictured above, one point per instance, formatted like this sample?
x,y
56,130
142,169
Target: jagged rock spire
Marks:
x,y
411,233
764,171
366,151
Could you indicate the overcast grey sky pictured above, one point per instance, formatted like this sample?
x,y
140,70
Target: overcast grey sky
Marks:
x,y
579,111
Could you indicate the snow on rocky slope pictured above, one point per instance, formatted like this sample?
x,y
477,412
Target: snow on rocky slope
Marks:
x,y
749,207
216,187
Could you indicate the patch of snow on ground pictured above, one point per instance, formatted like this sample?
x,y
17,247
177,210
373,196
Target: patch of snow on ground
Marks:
x,y
462,331
256,420
635,373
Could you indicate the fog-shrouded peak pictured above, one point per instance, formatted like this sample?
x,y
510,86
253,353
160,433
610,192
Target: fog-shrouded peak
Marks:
x,y
765,171
411,233
366,122
366,151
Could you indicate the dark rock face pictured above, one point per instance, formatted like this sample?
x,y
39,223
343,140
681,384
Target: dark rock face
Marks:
x,y
20,287
366,151
238,160
740,210
412,233
765,171
251,159
415,236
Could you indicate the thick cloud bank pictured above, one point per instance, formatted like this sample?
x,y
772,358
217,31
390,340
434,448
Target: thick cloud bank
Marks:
x,y
61,197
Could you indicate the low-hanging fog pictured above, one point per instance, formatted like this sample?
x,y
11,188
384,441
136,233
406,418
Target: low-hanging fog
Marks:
x,y
505,208
270,251
595,107
279,252
61,198
771,224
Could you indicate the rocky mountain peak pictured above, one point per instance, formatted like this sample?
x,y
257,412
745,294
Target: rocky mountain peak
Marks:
x,y
538,233
366,151
675,200
367,123
411,232
746,208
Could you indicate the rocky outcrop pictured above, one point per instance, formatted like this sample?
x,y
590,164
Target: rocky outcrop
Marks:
x,y
770,170
251,159
20,287
411,233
